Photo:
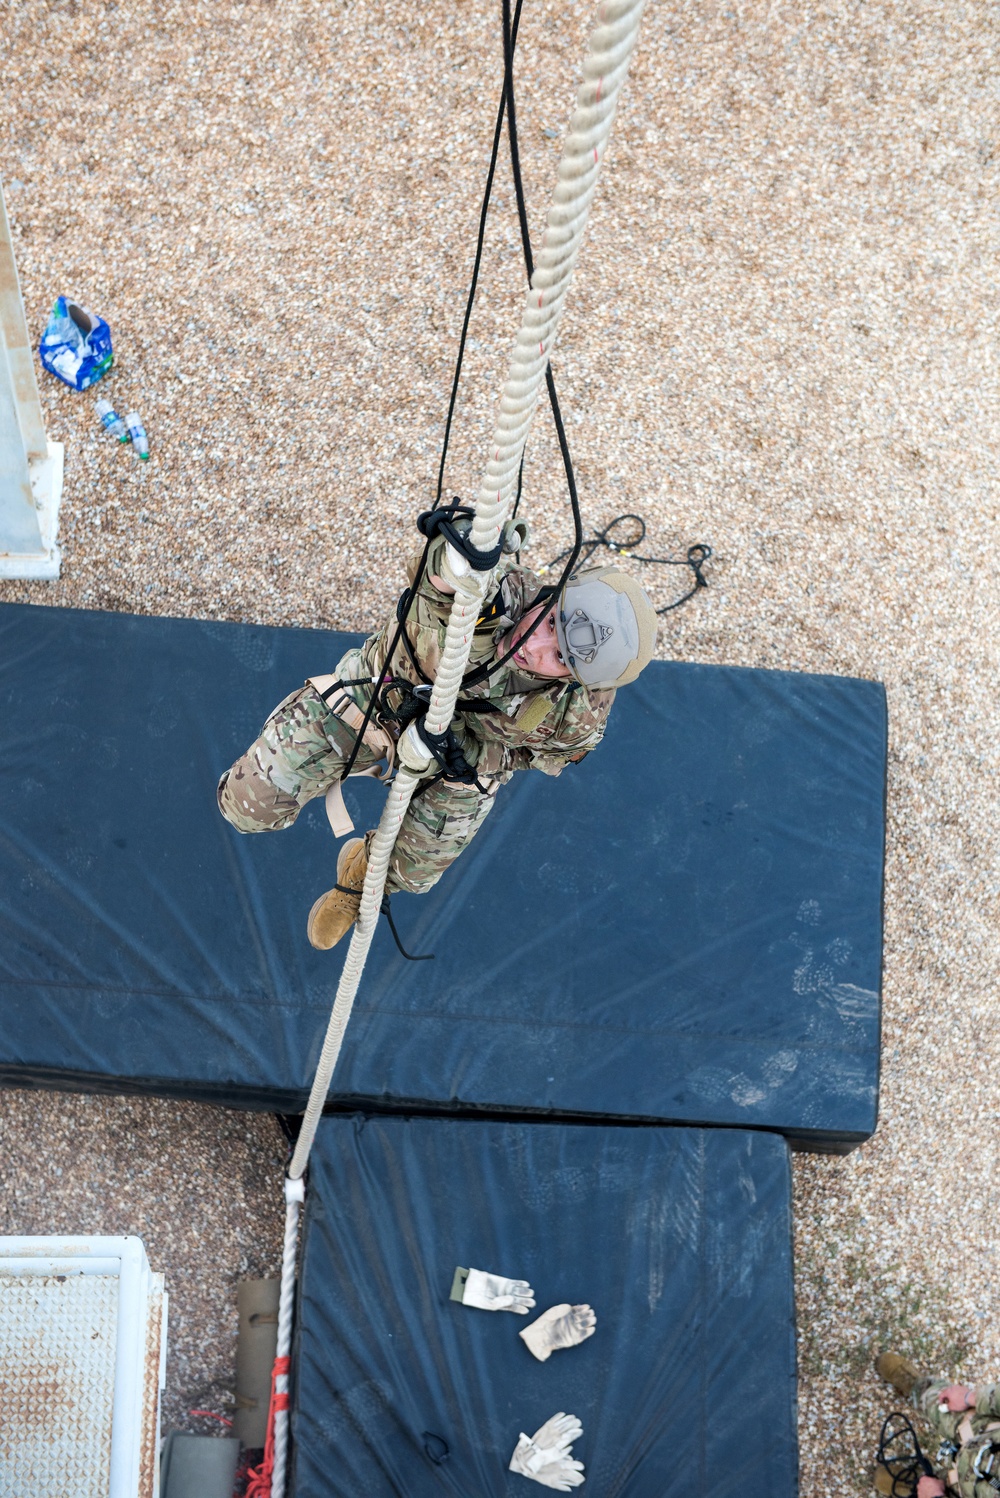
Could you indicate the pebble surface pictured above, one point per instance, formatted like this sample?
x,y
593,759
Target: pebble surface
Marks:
x,y
781,340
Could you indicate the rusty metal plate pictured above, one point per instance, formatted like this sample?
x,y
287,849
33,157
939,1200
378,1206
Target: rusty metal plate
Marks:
x,y
58,1336
149,1439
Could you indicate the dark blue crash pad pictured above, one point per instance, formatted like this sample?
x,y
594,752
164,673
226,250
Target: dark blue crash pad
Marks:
x,y
680,1239
686,927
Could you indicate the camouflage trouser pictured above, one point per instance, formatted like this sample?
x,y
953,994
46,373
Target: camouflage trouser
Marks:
x,y
948,1453
302,750
926,1398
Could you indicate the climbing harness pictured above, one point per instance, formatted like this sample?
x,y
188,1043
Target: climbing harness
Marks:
x,y
371,734
989,1475
605,69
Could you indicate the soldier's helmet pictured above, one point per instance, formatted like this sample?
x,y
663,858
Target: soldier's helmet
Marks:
x,y
606,627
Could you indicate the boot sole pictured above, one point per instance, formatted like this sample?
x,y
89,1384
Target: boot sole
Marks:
x,y
321,946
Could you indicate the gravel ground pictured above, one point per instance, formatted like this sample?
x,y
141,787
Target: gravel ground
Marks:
x,y
780,340
200,1186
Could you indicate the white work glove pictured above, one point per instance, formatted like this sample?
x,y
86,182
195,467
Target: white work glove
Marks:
x,y
545,1456
562,1326
456,572
412,752
454,566
491,1292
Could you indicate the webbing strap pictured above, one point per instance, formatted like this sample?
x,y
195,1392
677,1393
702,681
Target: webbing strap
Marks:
x,y
331,689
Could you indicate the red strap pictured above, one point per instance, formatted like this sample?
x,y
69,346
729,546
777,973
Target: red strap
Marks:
x,y
259,1485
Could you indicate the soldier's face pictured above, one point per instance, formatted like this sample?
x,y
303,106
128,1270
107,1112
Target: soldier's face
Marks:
x,y
539,654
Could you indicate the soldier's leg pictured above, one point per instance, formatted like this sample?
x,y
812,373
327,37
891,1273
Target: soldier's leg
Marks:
x,y
300,751
437,826
926,1398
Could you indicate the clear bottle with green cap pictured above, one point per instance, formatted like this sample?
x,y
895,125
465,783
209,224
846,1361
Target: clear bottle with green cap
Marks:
x,y
137,433
110,420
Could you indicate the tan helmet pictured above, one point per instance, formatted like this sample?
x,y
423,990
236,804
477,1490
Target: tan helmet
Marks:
x,y
606,627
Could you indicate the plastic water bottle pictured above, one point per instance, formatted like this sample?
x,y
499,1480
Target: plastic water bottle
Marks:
x,y
137,432
111,420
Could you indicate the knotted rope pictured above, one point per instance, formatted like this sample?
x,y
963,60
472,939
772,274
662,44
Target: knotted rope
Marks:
x,y
605,69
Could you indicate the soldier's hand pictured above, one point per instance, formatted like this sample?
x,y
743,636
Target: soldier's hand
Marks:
x,y
958,1397
930,1487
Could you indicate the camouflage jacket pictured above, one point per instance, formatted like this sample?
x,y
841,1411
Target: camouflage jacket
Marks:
x,y
976,1462
538,724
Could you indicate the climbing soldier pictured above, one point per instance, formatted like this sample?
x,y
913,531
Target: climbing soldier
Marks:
x,y
964,1421
541,680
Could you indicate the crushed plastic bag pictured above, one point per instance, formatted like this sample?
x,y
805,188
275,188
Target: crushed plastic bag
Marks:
x,y
76,345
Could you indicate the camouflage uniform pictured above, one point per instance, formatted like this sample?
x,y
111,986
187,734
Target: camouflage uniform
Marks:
x,y
956,1451
539,724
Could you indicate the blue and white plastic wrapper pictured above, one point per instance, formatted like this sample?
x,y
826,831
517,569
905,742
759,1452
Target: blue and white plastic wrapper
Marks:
x,y
76,345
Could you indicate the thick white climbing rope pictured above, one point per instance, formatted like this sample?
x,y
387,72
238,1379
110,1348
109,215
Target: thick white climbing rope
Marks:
x,y
605,69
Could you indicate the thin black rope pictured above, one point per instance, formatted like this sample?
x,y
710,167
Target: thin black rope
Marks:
x,y
483,215
696,557
484,672
508,107
404,611
386,910
900,1454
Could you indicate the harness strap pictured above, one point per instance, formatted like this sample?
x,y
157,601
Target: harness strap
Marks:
x,y
377,740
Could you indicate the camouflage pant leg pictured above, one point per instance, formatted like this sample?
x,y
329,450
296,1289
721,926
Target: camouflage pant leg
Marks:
x,y
926,1395
436,828
299,753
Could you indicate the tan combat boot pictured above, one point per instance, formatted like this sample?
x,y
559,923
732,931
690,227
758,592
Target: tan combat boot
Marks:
x,y
334,913
895,1480
897,1371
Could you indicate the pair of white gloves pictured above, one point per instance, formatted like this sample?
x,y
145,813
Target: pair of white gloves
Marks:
x,y
546,1456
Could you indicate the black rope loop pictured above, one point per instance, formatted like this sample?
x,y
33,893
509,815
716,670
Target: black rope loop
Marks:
x,y
900,1454
441,522
413,701
695,557
449,755
386,910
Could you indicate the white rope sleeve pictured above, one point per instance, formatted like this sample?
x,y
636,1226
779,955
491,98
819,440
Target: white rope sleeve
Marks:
x,y
605,68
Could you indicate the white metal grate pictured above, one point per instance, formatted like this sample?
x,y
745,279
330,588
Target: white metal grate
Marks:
x,y
58,1339
82,1351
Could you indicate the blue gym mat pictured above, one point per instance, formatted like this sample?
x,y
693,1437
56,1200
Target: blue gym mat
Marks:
x,y
684,928
680,1240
